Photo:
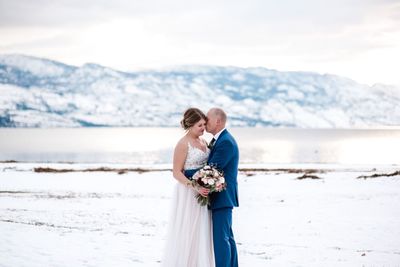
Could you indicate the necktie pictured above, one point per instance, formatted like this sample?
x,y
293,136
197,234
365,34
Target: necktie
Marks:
x,y
210,146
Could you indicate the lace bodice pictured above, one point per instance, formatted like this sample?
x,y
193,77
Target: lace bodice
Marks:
x,y
196,158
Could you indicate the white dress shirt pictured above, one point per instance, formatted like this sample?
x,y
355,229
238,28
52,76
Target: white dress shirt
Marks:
x,y
218,134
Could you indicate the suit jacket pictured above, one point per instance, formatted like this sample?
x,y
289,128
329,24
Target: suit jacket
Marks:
x,y
225,156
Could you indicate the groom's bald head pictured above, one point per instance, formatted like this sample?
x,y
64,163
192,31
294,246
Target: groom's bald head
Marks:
x,y
219,113
216,120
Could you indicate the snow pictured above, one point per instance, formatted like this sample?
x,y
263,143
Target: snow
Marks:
x,y
40,67
107,219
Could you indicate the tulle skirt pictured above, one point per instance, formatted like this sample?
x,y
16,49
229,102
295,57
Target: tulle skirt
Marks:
x,y
189,240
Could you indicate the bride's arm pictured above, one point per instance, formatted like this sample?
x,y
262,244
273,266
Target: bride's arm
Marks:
x,y
180,154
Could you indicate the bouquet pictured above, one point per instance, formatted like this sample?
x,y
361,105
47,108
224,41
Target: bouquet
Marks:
x,y
211,178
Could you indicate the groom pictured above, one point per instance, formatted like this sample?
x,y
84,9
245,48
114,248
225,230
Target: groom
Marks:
x,y
224,156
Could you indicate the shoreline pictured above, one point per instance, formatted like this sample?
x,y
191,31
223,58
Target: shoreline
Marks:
x,y
304,170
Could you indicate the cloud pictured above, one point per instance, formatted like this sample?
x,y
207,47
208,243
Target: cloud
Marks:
x,y
312,35
252,12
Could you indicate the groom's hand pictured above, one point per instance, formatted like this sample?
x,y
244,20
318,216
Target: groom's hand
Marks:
x,y
203,191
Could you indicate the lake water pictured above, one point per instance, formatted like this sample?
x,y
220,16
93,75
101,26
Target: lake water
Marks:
x,y
155,145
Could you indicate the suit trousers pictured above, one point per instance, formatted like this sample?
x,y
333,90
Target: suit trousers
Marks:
x,y
224,243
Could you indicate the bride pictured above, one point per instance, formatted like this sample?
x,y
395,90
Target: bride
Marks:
x,y
189,240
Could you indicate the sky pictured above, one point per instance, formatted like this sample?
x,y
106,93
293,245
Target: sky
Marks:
x,y
358,39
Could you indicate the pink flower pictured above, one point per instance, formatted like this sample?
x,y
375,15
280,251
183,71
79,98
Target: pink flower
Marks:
x,y
211,178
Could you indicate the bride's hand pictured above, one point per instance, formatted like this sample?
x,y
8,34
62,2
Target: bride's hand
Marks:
x,y
202,191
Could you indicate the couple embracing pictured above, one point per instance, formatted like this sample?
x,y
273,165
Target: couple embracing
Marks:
x,y
202,236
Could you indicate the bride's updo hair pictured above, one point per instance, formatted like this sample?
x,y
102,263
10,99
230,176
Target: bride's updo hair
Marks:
x,y
191,116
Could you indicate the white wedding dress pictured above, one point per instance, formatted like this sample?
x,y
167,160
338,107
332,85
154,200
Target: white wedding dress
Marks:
x,y
189,240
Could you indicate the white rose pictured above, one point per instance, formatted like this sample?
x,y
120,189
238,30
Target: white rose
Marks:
x,y
204,180
211,182
222,180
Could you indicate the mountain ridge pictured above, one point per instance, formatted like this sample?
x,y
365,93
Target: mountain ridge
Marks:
x,y
36,92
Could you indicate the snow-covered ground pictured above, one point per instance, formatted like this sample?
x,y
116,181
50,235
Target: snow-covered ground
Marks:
x,y
110,219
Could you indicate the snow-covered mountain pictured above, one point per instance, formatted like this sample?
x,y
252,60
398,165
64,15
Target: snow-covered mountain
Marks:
x,y
37,92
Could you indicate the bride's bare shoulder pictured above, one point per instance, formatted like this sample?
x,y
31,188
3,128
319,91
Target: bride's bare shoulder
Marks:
x,y
182,143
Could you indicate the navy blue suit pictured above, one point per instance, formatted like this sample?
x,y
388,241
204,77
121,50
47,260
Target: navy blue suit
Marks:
x,y
225,156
